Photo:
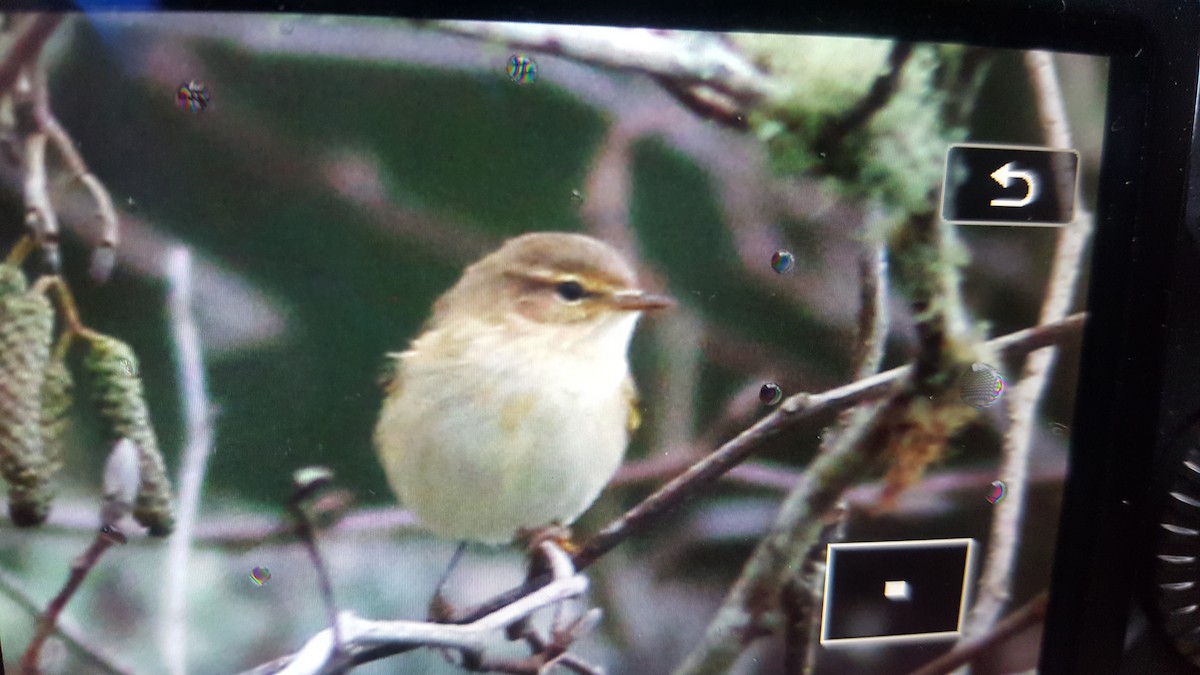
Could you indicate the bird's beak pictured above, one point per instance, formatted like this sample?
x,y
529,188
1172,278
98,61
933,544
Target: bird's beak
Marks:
x,y
640,301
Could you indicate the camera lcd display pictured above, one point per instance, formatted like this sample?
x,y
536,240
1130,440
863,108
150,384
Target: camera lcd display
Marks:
x,y
791,387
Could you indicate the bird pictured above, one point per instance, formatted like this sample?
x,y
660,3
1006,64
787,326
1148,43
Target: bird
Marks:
x,y
513,406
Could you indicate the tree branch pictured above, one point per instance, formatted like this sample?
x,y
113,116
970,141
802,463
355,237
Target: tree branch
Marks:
x,y
40,216
80,568
1023,399
678,57
28,47
22,76
360,634
104,257
876,99
873,310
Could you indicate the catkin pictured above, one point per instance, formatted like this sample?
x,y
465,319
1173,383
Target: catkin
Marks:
x,y
121,403
57,391
26,332
12,280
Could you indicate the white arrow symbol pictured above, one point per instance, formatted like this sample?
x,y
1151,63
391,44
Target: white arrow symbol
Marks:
x,y
1005,175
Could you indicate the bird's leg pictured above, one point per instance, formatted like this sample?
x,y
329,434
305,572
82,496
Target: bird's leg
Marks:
x,y
440,609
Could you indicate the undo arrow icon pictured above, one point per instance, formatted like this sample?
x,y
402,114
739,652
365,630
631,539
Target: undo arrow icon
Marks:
x,y
1005,176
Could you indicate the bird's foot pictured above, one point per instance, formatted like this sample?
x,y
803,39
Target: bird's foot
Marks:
x,y
559,535
440,610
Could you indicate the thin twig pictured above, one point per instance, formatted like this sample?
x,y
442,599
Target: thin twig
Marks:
x,y
104,257
65,630
399,636
36,126
876,99
791,413
307,533
996,578
966,651
27,47
189,362
80,568
577,665
40,216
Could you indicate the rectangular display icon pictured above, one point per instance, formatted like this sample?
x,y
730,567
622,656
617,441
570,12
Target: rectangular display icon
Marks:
x,y
896,591
1009,185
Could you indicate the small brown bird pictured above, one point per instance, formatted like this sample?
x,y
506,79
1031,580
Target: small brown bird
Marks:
x,y
513,407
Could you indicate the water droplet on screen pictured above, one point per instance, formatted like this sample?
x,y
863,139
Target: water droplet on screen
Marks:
x,y
783,261
981,385
260,575
999,489
192,97
770,394
522,69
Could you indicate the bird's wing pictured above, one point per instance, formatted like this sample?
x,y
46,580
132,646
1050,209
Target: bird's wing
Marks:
x,y
634,418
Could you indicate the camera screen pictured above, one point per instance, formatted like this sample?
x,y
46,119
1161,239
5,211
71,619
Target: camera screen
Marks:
x,y
533,348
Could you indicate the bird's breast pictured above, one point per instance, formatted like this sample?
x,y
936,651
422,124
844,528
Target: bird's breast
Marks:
x,y
492,442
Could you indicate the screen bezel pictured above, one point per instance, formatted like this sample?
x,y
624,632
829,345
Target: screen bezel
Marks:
x,y
1144,211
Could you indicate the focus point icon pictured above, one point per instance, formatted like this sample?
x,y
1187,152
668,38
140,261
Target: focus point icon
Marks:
x,y
897,590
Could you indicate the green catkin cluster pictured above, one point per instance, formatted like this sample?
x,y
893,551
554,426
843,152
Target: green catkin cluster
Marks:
x,y
121,403
26,333
12,280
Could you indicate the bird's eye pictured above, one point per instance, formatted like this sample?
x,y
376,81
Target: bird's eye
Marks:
x,y
571,291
